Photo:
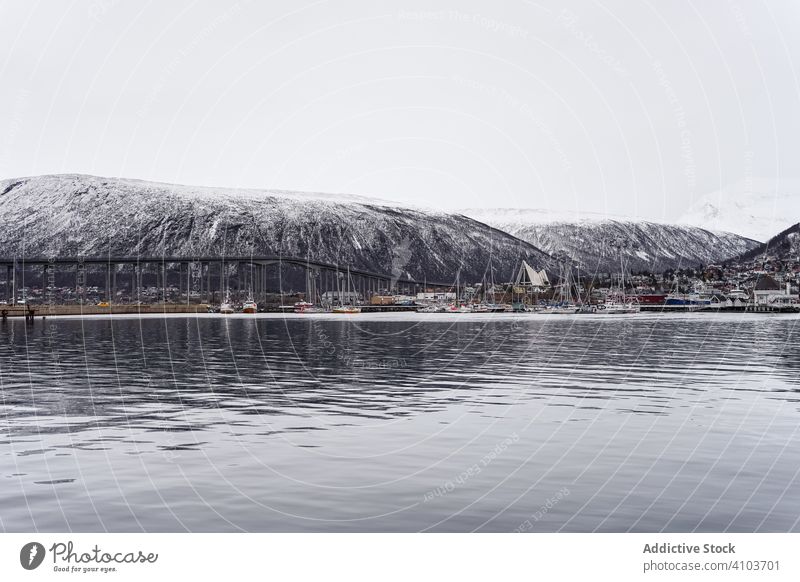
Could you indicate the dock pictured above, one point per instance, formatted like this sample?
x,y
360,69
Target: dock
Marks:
x,y
30,312
722,309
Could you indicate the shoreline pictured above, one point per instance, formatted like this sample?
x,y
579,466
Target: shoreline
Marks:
x,y
412,316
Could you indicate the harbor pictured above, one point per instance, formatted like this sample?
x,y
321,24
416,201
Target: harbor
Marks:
x,y
33,312
79,286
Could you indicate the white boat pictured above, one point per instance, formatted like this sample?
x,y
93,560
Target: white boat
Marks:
x,y
346,309
226,307
305,307
489,308
613,307
568,309
249,306
453,308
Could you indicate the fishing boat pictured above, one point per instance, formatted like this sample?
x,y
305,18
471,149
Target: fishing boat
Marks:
x,y
698,297
249,306
686,300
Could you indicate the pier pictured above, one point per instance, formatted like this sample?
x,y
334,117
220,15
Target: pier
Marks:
x,y
30,312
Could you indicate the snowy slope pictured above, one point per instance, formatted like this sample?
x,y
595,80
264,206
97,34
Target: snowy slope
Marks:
x,y
756,208
70,215
784,245
597,241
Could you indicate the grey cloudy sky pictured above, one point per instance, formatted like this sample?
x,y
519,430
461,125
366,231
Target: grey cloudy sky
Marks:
x,y
634,108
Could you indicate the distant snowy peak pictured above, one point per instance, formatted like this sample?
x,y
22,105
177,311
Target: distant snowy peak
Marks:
x,y
517,217
757,208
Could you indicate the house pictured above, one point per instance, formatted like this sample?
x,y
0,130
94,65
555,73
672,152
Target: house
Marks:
x,y
341,298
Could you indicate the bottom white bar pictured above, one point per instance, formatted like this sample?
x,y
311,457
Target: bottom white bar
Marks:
x,y
355,557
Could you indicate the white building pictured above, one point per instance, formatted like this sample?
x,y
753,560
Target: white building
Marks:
x,y
341,298
767,291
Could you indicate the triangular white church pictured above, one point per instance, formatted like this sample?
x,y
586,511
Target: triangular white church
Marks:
x,y
530,277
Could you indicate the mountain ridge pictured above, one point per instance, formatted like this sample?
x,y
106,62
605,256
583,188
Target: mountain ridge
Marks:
x,y
74,214
597,241
782,245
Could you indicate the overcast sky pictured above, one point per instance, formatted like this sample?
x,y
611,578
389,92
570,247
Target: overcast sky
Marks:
x,y
633,108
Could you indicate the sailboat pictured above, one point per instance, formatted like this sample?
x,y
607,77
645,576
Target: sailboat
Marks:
x,y
619,303
346,308
487,306
565,305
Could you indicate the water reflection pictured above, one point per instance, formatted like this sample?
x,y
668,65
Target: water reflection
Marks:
x,y
311,424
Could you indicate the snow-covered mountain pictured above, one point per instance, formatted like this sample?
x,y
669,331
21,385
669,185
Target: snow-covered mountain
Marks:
x,y
69,215
784,245
756,208
597,241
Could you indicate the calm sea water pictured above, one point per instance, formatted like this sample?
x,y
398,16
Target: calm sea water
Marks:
x,y
401,423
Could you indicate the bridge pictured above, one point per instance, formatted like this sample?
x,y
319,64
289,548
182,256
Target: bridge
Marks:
x,y
205,276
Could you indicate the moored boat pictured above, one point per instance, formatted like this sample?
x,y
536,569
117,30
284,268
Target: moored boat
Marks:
x,y
303,307
687,300
346,309
453,308
567,309
614,307
249,306
226,307
432,309
567,304
489,308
